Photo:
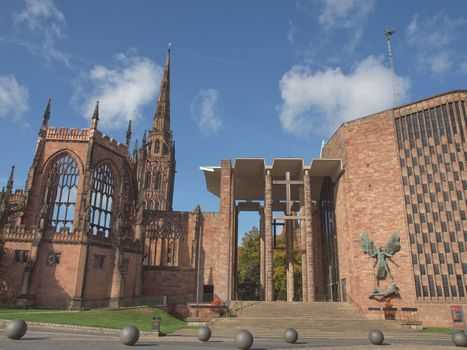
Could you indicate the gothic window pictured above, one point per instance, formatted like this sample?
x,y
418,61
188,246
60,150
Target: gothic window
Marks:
x,y
99,260
101,200
163,237
21,256
64,178
165,150
171,253
158,181
157,148
147,179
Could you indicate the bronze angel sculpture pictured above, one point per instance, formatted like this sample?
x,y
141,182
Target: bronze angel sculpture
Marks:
x,y
381,266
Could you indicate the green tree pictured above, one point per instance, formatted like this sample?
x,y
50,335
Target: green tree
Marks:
x,y
280,270
249,269
248,266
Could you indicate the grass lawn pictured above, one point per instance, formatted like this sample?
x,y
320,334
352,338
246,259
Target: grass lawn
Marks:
x,y
140,317
439,330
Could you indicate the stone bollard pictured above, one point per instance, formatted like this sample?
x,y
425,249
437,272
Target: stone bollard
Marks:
x,y
376,337
459,339
290,335
243,339
129,335
204,333
16,329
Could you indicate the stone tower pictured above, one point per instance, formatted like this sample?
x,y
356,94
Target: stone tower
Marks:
x,y
157,153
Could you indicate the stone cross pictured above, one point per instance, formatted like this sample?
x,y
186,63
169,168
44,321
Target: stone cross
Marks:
x,y
287,184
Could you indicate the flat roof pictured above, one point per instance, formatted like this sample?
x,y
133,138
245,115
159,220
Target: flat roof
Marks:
x,y
249,175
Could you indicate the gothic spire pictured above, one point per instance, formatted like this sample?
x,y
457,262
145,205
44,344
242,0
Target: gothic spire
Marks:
x,y
9,184
128,135
144,139
46,117
162,116
135,149
95,116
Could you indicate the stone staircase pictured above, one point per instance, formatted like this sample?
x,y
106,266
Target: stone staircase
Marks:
x,y
311,320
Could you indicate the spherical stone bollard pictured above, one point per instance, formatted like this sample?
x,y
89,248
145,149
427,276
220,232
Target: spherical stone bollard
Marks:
x,y
204,333
376,337
16,329
459,339
243,339
129,335
290,335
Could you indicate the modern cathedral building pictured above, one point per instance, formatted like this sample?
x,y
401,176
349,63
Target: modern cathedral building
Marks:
x,y
379,219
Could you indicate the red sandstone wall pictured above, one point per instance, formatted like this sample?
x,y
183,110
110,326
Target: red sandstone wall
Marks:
x,y
54,285
187,222
173,282
369,198
214,254
11,272
99,279
436,315
134,264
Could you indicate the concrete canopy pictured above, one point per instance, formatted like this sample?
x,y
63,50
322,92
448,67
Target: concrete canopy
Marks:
x,y
249,174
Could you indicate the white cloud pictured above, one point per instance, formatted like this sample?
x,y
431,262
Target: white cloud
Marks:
x,y
13,98
432,38
464,67
345,13
291,33
319,102
47,23
206,111
122,90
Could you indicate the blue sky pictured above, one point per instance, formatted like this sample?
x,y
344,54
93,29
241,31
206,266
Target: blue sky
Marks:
x,y
248,78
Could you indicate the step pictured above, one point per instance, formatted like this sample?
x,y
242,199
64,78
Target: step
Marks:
x,y
310,319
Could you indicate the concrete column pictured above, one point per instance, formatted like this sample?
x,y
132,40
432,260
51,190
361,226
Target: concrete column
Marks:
x,y
309,236
289,259
268,236
303,248
262,260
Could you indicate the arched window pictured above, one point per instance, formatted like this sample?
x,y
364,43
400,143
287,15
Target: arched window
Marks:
x,y
64,178
157,147
158,180
147,179
101,200
171,253
165,150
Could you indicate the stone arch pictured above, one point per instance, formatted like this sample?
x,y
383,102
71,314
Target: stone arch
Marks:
x,y
50,161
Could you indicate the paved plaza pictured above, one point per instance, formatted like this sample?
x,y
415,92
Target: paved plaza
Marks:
x,y
41,338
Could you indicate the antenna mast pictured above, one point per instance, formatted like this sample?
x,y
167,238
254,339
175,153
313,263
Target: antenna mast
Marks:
x,y
388,32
